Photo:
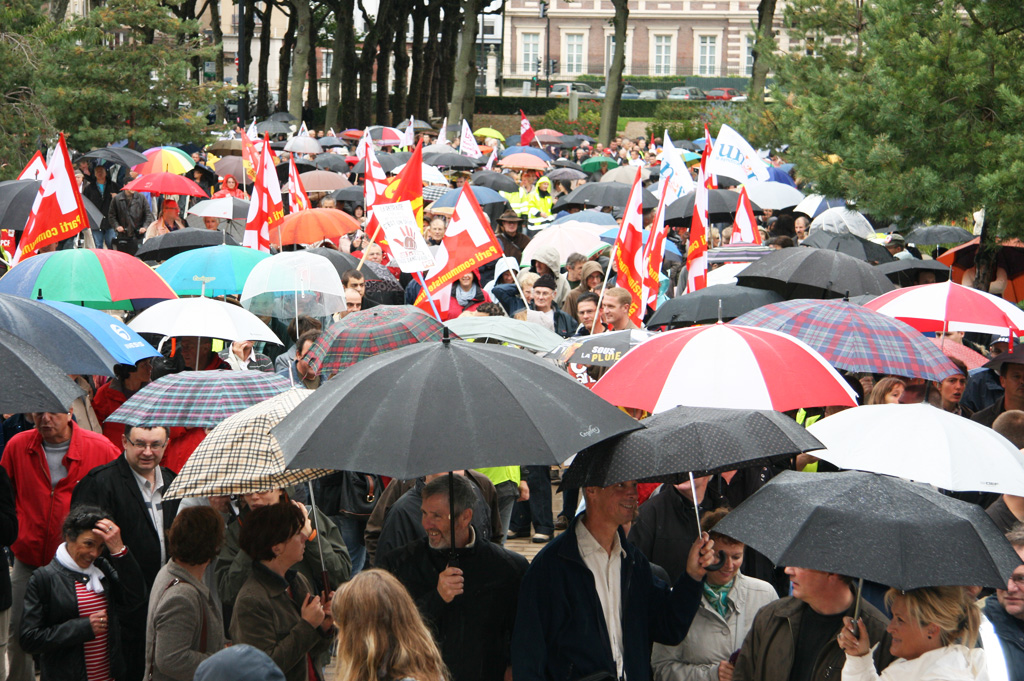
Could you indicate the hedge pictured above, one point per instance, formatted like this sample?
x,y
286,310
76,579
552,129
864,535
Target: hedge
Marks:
x,y
538,106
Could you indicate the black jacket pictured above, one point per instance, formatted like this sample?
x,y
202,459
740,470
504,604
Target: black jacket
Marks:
x,y
102,199
52,628
8,534
131,212
1010,631
474,631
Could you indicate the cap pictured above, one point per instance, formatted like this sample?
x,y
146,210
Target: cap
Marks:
x,y
545,281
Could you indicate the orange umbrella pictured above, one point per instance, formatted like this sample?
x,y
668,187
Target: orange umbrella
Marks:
x,y
313,226
524,161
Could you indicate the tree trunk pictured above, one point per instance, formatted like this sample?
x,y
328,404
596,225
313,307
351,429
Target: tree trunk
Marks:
x,y
58,9
218,59
384,47
985,257
610,107
302,20
415,90
263,94
312,67
764,43
284,63
426,105
401,74
367,61
334,77
250,32
464,72
348,56
449,45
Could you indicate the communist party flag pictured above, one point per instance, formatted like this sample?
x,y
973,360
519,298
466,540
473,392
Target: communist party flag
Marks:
x,y
375,187
629,252
35,169
697,251
656,250
266,208
744,229
299,199
407,186
526,133
57,212
468,243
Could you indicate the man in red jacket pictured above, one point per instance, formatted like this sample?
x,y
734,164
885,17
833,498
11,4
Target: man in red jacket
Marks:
x,y
44,464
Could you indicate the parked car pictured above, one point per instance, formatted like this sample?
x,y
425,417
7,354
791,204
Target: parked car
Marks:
x,y
653,94
628,92
563,89
686,93
723,93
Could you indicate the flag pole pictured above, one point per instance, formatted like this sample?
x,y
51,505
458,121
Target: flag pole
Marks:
x,y
604,284
419,277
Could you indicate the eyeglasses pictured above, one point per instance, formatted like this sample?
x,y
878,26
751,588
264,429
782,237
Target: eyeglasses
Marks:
x,y
1018,581
153,446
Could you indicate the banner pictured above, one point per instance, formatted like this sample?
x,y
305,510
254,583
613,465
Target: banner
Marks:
x,y
266,208
57,212
299,199
629,252
744,228
655,253
35,169
733,157
407,186
674,173
467,143
408,249
526,134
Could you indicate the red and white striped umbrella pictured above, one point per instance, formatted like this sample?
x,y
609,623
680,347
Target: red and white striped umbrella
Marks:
x,y
738,367
952,307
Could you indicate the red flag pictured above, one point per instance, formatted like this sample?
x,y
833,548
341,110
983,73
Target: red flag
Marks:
x,y
629,251
697,251
468,243
266,208
57,212
526,134
710,181
299,199
655,253
35,169
375,187
410,184
249,152
744,228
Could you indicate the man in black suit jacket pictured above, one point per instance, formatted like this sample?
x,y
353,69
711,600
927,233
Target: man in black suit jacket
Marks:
x,y
130,488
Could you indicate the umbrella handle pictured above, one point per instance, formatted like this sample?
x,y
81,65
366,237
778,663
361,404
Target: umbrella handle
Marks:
x,y
856,607
717,565
319,537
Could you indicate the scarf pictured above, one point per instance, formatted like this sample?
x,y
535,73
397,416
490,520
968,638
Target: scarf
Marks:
x,y
464,298
718,596
93,574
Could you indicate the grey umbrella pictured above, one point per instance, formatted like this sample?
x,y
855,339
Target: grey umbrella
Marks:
x,y
283,117
31,382
720,302
603,194
850,244
939,234
904,272
814,273
273,127
335,162
120,155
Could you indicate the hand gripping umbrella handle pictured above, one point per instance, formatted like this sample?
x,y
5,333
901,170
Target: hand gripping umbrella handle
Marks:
x,y
717,565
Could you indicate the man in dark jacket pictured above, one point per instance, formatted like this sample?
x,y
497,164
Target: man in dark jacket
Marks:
x,y
510,235
544,301
589,603
468,597
101,191
131,488
1006,612
667,525
129,215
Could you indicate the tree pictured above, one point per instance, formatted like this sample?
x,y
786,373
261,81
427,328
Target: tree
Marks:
x,y
25,123
764,44
300,57
613,89
464,73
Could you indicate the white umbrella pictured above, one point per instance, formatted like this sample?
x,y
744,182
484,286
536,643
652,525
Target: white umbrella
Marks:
x,y
430,174
843,221
226,208
726,274
303,145
923,443
625,174
202,318
774,195
566,238
294,283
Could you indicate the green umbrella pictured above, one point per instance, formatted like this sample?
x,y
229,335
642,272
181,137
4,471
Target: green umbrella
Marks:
x,y
594,163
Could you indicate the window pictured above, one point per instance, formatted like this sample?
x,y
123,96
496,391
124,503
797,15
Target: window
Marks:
x,y
707,64
609,53
748,64
574,53
531,52
663,55
328,62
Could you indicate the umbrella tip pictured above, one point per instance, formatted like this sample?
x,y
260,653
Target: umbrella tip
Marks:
x,y
445,337
846,297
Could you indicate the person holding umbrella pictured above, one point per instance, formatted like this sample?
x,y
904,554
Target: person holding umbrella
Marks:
x,y
169,221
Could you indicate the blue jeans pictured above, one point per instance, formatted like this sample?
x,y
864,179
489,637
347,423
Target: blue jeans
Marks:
x,y
508,492
352,533
538,509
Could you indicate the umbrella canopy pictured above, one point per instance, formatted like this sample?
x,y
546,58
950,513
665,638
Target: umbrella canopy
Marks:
x,y
328,142
303,145
851,245
430,174
533,151
710,304
594,217
213,271
523,161
203,317
387,162
609,236
295,283
495,181
601,350
282,116
225,208
760,369
566,239
370,332
816,204
604,194
459,405
117,338
874,527
32,383
166,183
240,456
740,253
567,175
226,148
625,174
946,306
594,163
352,194
385,136
119,155
970,358
483,195
283,169
273,127
854,338
313,226
101,279
722,204
343,262
489,132
774,195
727,273
165,160
197,399
842,221
334,162
166,246
814,273
939,234
417,125
235,166
698,440
18,196
323,181
450,160
907,272
505,330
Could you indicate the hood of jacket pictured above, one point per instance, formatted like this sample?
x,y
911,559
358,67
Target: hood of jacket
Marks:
x,y
549,256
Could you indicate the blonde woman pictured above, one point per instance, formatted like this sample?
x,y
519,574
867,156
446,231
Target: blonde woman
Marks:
x,y
381,635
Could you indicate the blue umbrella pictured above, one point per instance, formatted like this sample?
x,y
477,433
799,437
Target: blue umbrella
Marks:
x,y
533,151
124,344
223,270
612,234
483,195
594,217
779,175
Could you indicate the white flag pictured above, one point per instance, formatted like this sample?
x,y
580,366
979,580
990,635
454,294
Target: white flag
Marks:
x,y
467,143
444,130
364,143
733,157
303,130
674,173
409,136
252,132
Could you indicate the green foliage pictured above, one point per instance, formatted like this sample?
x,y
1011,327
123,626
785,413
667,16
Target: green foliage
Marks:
x,y
686,120
587,123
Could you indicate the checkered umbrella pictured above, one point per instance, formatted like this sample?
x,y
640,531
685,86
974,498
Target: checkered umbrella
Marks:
x,y
854,338
370,332
200,399
240,455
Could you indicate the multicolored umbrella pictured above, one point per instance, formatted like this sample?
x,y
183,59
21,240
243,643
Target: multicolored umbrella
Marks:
x,y
198,399
213,271
947,306
370,332
854,338
240,456
725,366
385,136
100,279
601,350
165,160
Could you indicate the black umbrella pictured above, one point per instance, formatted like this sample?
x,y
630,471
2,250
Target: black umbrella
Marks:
x,y
56,335
17,197
187,147
603,194
301,166
31,382
566,163
722,205
904,272
120,155
273,127
442,406
495,181
353,193
343,262
873,527
401,157
850,244
451,161
708,305
387,162
169,245
939,234
328,142
814,273
283,117
335,162
685,440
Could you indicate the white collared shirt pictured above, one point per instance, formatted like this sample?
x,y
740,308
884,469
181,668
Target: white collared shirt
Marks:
x,y
607,571
153,498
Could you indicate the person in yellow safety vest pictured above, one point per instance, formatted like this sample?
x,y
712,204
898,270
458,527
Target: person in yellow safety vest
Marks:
x,y
519,201
540,203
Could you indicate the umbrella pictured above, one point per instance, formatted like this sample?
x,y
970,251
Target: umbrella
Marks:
x,y
625,174
166,183
328,142
566,174
291,284
240,456
604,194
450,160
971,359
945,306
126,346
214,271
523,161
816,204
726,274
166,246
532,151
351,194
459,405
609,236
906,272
32,383
855,246
303,145
601,350
370,332
387,163
594,217
273,127
197,399
854,338
720,302
722,204
814,273
842,221
18,196
594,163
385,136
234,166
566,163
430,174
165,160
550,139
203,317
489,132
417,125
343,262
225,208
939,234
873,527
334,162
744,253
495,181
313,226
528,335
698,440
119,155
566,238
226,148
483,196
283,169
323,181
760,369
283,117
101,279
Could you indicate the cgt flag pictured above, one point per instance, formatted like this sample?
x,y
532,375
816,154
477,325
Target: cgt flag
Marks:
x,y
266,208
629,252
57,212
697,251
656,250
526,133
299,200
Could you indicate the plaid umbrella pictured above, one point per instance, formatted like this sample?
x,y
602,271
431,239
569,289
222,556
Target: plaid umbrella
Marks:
x,y
370,332
200,399
854,338
240,455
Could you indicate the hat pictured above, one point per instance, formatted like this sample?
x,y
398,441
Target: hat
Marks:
x,y
239,663
895,239
545,281
510,216
170,203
